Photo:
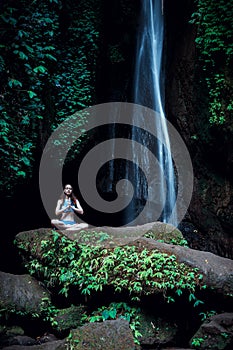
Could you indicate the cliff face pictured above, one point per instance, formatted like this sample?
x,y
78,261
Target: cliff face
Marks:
x,y
209,221
210,147
210,215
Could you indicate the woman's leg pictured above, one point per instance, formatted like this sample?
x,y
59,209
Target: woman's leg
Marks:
x,y
59,224
76,227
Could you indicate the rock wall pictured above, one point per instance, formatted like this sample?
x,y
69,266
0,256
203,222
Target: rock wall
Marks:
x,y
211,208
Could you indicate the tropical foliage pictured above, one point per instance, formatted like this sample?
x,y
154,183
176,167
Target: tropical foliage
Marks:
x,y
214,20
48,54
90,267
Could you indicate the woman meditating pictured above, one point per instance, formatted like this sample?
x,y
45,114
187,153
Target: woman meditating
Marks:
x,y
67,206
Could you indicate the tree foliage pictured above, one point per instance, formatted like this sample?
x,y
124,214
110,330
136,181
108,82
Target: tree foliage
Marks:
x,y
48,54
214,20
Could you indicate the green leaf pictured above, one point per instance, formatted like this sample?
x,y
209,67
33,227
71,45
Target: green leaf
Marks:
x,y
21,173
31,94
198,302
15,83
179,292
23,56
49,48
105,314
26,161
29,48
112,313
40,69
50,57
71,256
192,297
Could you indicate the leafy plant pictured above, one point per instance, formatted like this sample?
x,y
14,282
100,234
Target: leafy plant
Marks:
x,y
47,312
91,267
207,315
115,311
197,341
47,71
214,41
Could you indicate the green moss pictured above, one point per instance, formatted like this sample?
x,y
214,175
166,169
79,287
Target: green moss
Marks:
x,y
69,318
107,335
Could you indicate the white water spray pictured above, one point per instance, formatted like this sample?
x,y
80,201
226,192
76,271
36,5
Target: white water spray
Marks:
x,y
149,92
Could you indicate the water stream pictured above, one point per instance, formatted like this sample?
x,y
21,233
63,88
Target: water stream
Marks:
x,y
155,186
149,92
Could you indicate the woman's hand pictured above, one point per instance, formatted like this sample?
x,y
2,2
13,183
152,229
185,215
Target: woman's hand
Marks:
x,y
78,210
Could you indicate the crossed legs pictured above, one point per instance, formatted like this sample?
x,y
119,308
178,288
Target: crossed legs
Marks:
x,y
60,225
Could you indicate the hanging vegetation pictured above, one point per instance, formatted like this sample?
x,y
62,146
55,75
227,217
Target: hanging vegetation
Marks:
x,y
214,41
48,53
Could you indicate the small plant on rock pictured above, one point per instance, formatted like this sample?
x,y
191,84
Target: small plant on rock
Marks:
x,y
115,311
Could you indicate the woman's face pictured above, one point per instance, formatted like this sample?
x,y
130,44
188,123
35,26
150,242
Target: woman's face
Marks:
x,y
68,190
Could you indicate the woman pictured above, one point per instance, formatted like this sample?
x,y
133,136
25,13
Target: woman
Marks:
x,y
67,206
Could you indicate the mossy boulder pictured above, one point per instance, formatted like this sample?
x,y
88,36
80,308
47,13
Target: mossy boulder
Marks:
x,y
216,333
78,261
156,331
114,335
22,294
68,318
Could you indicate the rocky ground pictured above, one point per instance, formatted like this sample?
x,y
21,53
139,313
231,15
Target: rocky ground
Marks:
x,y
25,300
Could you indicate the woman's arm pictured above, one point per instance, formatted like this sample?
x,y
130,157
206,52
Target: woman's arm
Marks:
x,y
79,209
59,211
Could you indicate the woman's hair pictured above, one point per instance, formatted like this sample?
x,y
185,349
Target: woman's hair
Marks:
x,y
72,196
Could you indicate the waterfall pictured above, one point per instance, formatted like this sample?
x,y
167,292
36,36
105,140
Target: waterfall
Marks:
x,y
149,92
154,187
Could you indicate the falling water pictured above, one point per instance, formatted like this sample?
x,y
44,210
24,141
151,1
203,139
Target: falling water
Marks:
x,y
154,187
149,92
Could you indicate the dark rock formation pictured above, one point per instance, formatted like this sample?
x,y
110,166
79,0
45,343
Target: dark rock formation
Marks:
x,y
166,233
217,271
21,293
68,318
216,333
156,328
175,349
22,340
156,332
54,345
210,147
114,335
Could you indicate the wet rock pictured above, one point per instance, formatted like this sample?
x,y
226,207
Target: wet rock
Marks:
x,y
156,331
15,330
21,293
211,210
31,240
107,335
217,271
8,340
45,338
55,345
216,333
211,207
176,349
69,318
